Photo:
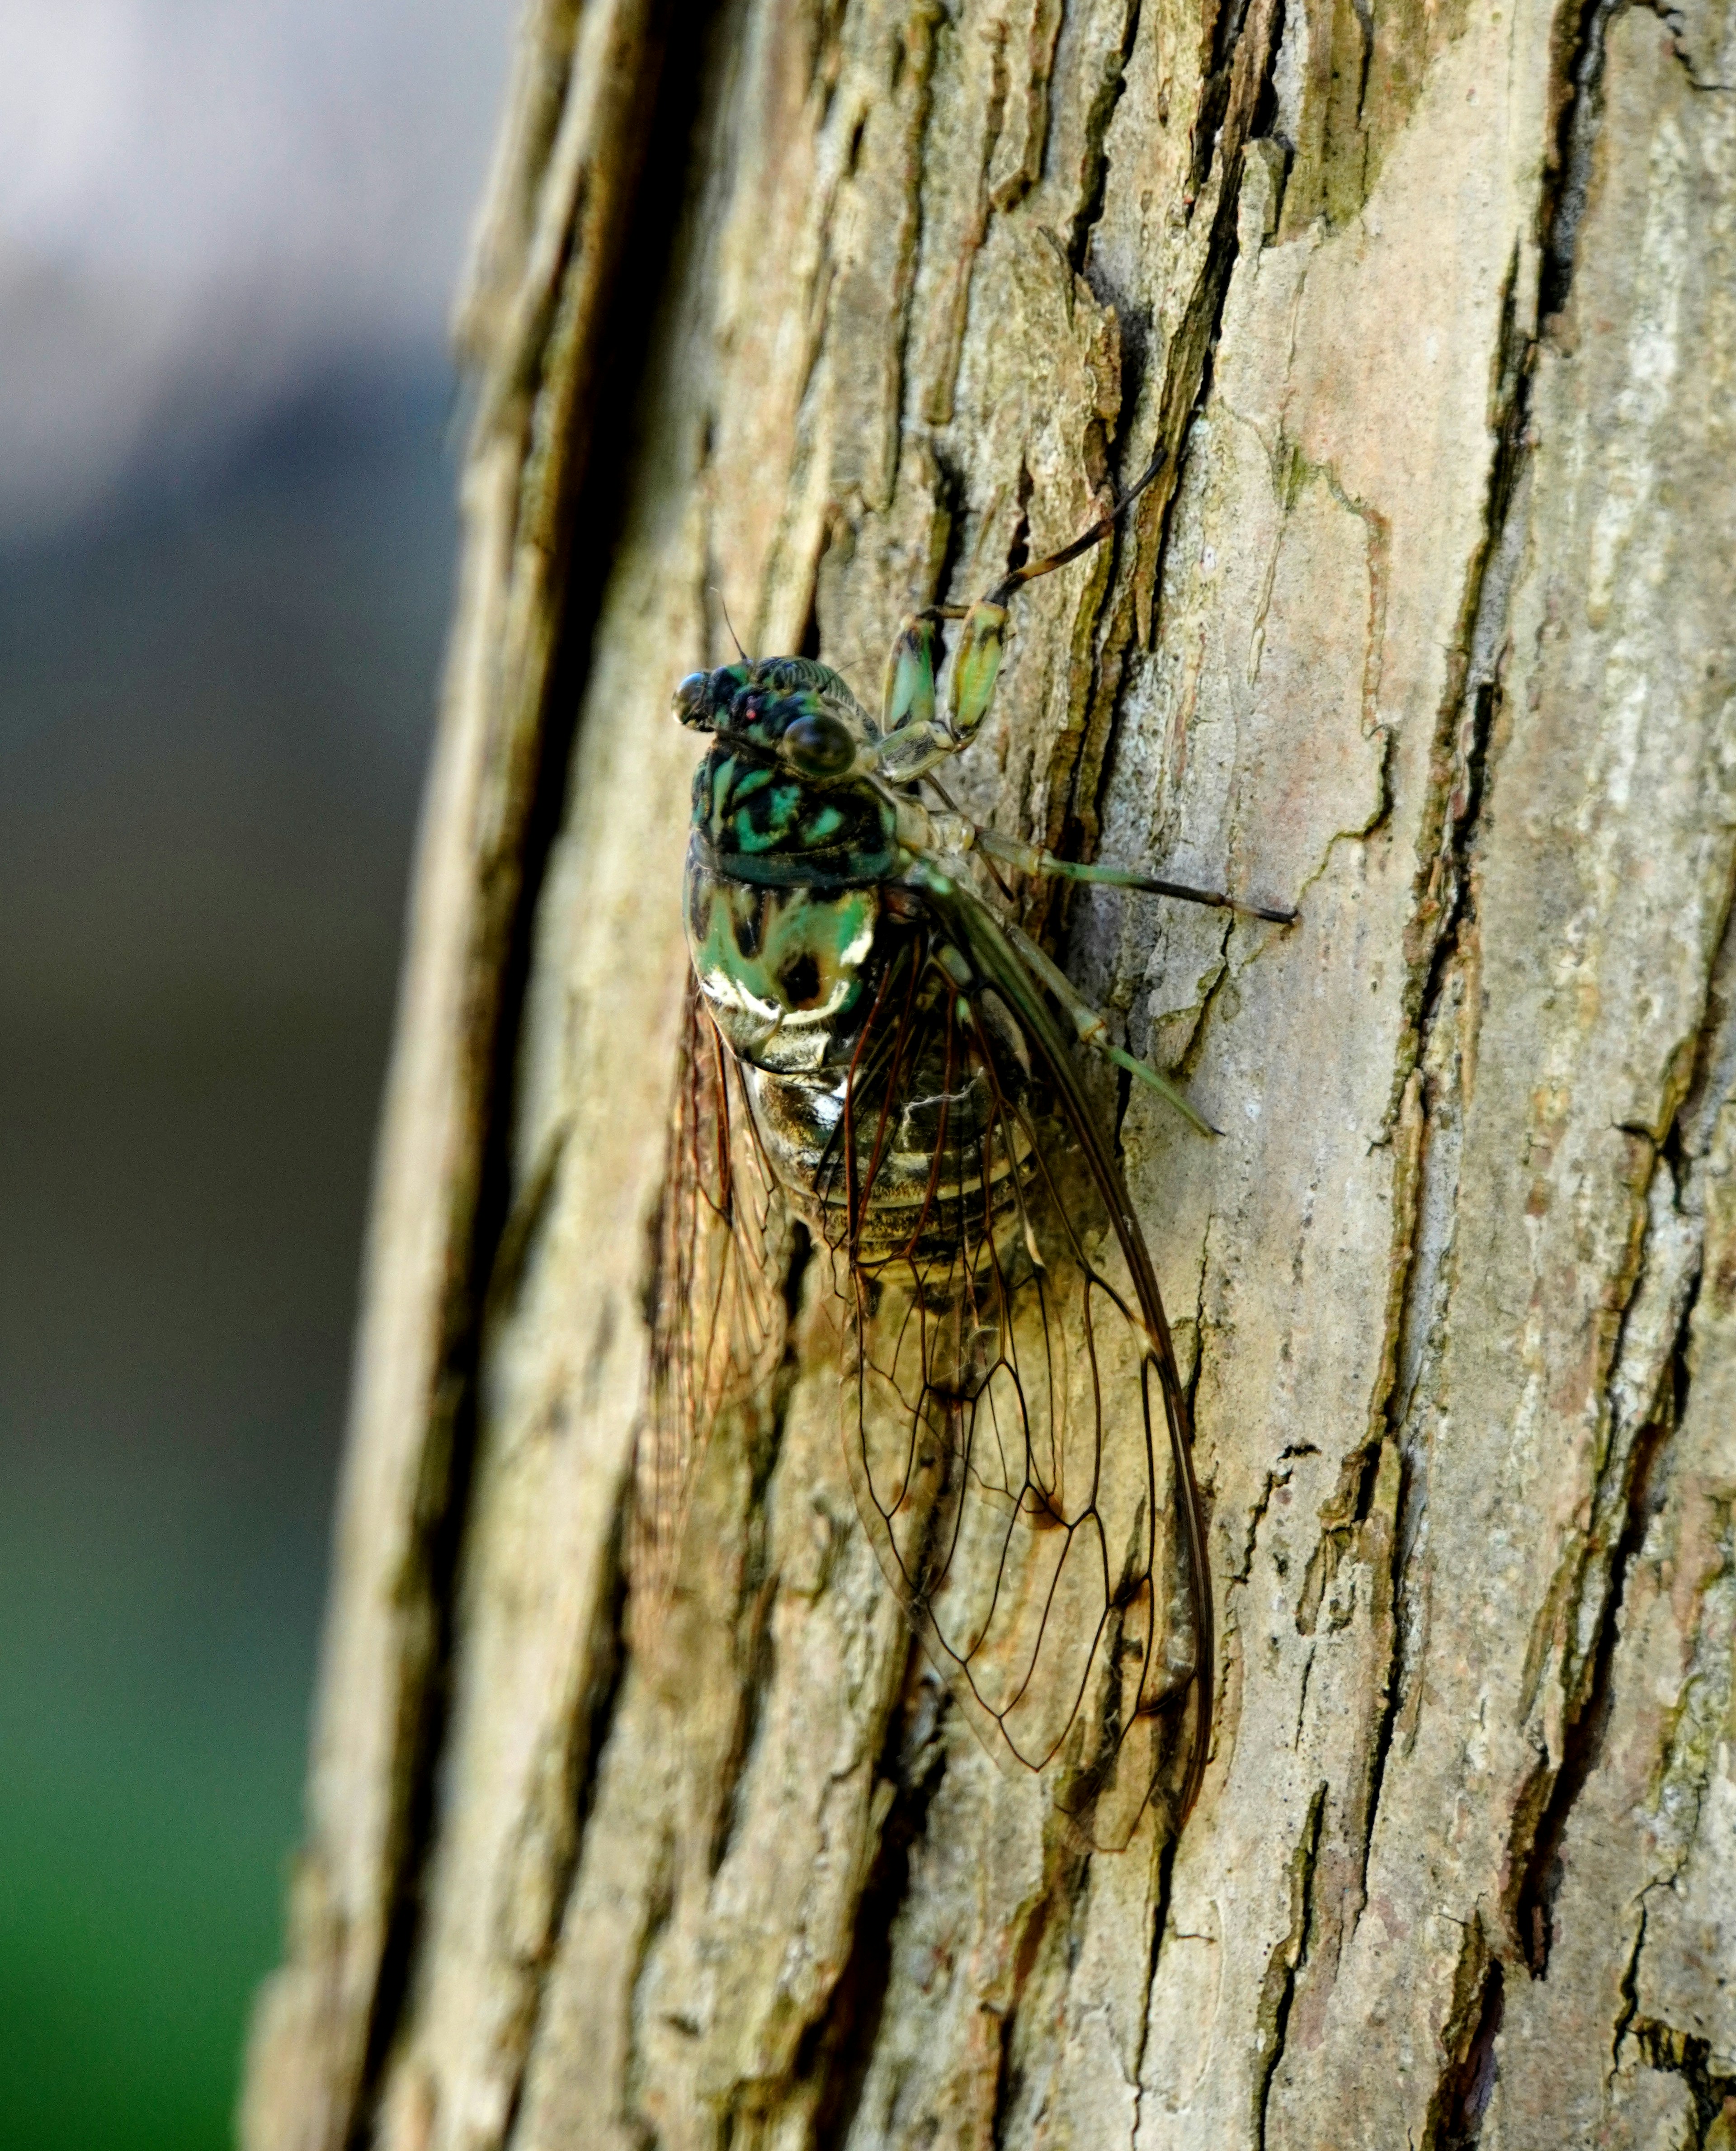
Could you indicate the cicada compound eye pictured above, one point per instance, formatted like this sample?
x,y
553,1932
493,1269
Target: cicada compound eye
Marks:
x,y
693,701
818,745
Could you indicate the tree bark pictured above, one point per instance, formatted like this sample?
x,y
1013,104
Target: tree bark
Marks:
x,y
819,310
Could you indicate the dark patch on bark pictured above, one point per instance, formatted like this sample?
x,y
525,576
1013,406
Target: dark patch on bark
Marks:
x,y
1680,2054
1540,1872
839,2049
1469,2085
1580,65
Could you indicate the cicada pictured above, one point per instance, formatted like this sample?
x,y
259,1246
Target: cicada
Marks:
x,y
876,1056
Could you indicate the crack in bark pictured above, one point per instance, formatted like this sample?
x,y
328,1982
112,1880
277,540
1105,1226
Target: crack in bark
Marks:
x,y
605,1660
1582,115
1284,1967
1187,1059
1386,1728
838,2047
1180,1064
758,1660
1275,1478
757,1594
1342,1516
1445,911
1466,2089
441,1503
916,50
1676,24
1160,1922
1244,75
1629,1991
1623,1486
938,408
659,1903
1693,1724
1307,1674
1541,1822
1099,119
1610,1495
1009,2078
1444,922
1423,1235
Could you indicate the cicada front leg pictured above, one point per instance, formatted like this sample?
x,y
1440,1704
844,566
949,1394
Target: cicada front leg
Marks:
x,y
907,692
915,738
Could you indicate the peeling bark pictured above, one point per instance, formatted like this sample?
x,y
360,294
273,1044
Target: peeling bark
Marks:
x,y
816,309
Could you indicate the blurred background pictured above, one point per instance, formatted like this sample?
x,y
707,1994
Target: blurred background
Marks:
x,y
230,232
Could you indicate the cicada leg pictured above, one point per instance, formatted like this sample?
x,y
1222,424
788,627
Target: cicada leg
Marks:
x,y
907,689
1094,1030
914,736
958,832
1033,859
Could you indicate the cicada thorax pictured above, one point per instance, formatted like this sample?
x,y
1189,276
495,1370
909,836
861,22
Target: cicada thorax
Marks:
x,y
883,1102
784,874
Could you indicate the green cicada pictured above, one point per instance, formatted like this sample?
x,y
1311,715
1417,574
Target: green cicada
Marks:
x,y
872,1055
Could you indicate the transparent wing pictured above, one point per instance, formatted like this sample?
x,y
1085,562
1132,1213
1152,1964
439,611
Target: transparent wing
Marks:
x,y
1016,1433
718,1316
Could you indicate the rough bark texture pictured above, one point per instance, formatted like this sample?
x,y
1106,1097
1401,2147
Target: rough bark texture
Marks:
x,y
819,307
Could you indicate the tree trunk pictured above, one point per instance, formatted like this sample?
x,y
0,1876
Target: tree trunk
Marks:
x,y
822,310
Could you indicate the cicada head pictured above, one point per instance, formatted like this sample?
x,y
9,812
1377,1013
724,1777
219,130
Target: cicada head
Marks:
x,y
790,710
702,697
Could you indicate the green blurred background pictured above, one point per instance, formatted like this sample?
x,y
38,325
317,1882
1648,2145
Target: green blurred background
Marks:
x,y
226,546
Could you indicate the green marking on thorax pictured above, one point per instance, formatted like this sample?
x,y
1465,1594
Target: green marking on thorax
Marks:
x,y
834,930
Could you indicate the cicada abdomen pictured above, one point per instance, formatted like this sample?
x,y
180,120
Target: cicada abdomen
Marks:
x,y
1004,1422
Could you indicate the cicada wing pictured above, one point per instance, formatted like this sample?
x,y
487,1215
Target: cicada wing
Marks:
x,y
1005,1426
718,1315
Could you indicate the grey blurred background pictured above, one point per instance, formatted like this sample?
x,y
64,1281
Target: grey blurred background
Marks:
x,y
229,231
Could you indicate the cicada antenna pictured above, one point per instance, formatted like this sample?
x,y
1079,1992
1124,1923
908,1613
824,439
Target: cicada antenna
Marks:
x,y
723,607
